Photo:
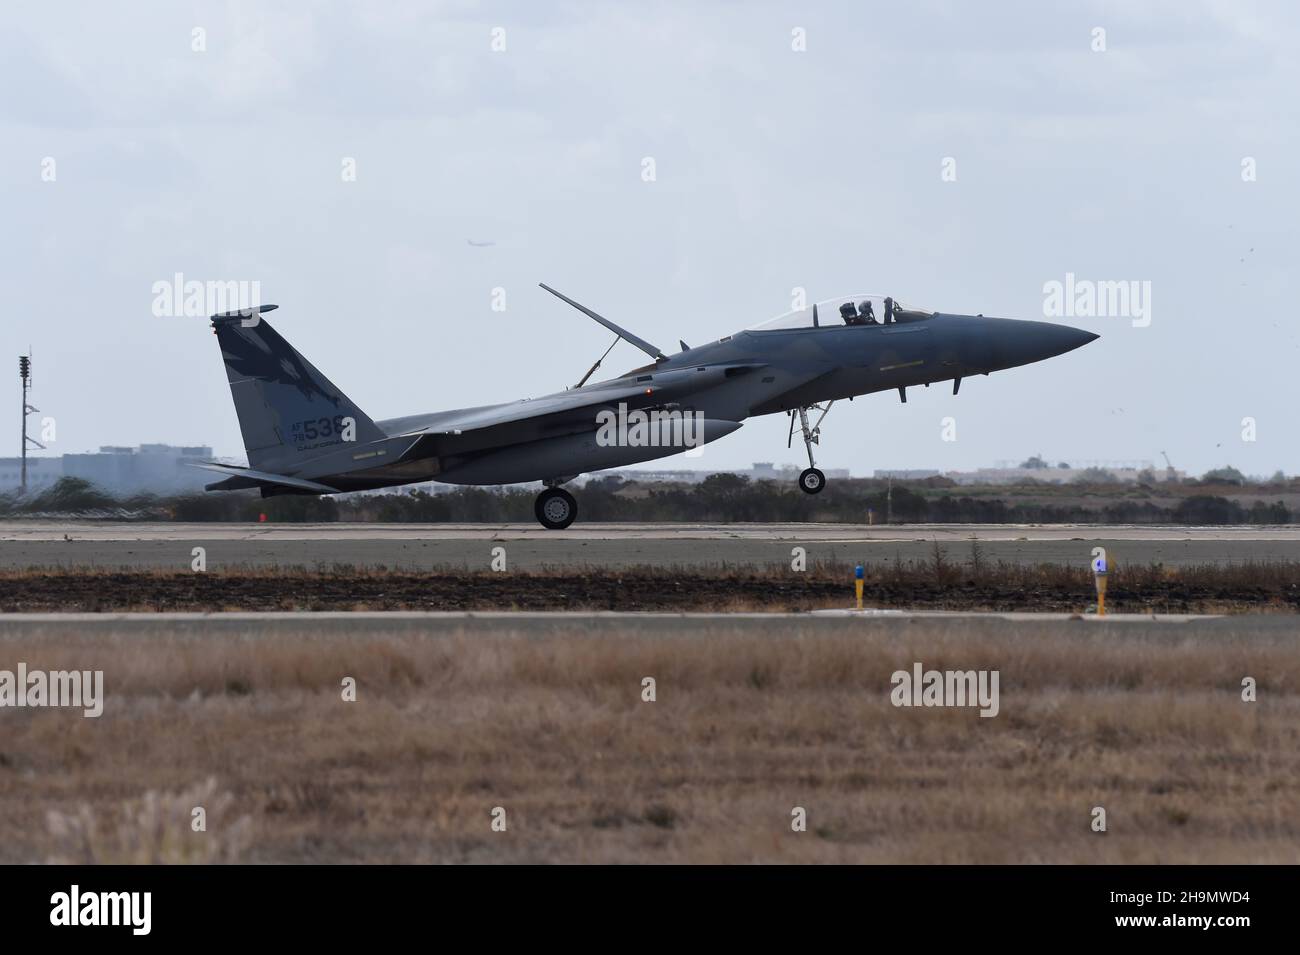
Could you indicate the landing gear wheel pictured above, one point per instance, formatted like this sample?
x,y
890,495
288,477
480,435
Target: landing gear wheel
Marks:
x,y
811,481
555,509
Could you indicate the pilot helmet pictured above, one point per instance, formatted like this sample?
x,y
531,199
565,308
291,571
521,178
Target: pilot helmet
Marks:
x,y
847,310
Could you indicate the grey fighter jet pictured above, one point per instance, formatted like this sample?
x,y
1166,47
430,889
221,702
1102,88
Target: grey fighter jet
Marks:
x,y
304,436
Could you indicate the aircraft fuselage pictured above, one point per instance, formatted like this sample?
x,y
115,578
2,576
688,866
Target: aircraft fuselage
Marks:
x,y
758,372
304,436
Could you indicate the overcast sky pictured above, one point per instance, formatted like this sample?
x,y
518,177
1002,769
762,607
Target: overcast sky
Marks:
x,y
775,168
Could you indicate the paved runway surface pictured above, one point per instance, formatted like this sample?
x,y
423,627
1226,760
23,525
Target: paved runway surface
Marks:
x,y
585,618
469,546
362,625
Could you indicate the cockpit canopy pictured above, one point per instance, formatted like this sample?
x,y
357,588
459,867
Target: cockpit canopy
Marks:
x,y
861,309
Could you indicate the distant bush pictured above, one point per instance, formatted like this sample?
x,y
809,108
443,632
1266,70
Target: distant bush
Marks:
x,y
71,494
1275,513
1223,476
1207,509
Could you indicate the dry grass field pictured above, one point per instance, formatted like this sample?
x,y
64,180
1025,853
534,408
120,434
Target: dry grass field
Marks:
x,y
937,584
752,718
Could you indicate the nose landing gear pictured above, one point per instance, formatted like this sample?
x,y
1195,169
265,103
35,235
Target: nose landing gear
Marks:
x,y
811,480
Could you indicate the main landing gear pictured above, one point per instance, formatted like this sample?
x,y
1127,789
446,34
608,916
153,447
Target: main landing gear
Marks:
x,y
811,480
555,508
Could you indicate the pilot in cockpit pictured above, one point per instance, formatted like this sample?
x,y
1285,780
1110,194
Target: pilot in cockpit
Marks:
x,y
866,315
849,314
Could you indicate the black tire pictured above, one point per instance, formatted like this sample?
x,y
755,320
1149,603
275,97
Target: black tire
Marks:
x,y
555,508
811,481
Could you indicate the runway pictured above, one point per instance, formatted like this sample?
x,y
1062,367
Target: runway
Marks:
x,y
26,544
435,621
363,626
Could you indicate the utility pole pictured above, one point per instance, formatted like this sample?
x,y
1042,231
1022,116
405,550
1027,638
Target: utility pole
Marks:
x,y
25,373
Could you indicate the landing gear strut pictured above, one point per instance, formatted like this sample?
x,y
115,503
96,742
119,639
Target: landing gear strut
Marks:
x,y
555,508
811,480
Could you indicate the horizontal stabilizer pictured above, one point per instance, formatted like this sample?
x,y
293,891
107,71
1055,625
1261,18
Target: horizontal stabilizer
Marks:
x,y
262,478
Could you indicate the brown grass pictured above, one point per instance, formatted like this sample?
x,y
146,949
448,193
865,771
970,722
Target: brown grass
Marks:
x,y
936,583
750,721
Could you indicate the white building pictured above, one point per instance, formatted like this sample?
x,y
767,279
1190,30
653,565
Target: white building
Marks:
x,y
156,468
42,473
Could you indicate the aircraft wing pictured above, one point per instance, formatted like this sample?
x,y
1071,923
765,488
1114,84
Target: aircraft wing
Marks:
x,y
475,429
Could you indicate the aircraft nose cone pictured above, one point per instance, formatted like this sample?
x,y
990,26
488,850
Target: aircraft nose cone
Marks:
x,y
1021,343
1066,339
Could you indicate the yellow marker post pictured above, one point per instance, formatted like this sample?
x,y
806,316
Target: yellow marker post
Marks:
x,y
1099,571
857,583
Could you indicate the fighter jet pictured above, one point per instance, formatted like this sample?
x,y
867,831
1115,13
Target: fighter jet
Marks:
x,y
305,436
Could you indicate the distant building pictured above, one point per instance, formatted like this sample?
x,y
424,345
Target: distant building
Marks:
x,y
42,473
1121,473
161,468
915,474
157,468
